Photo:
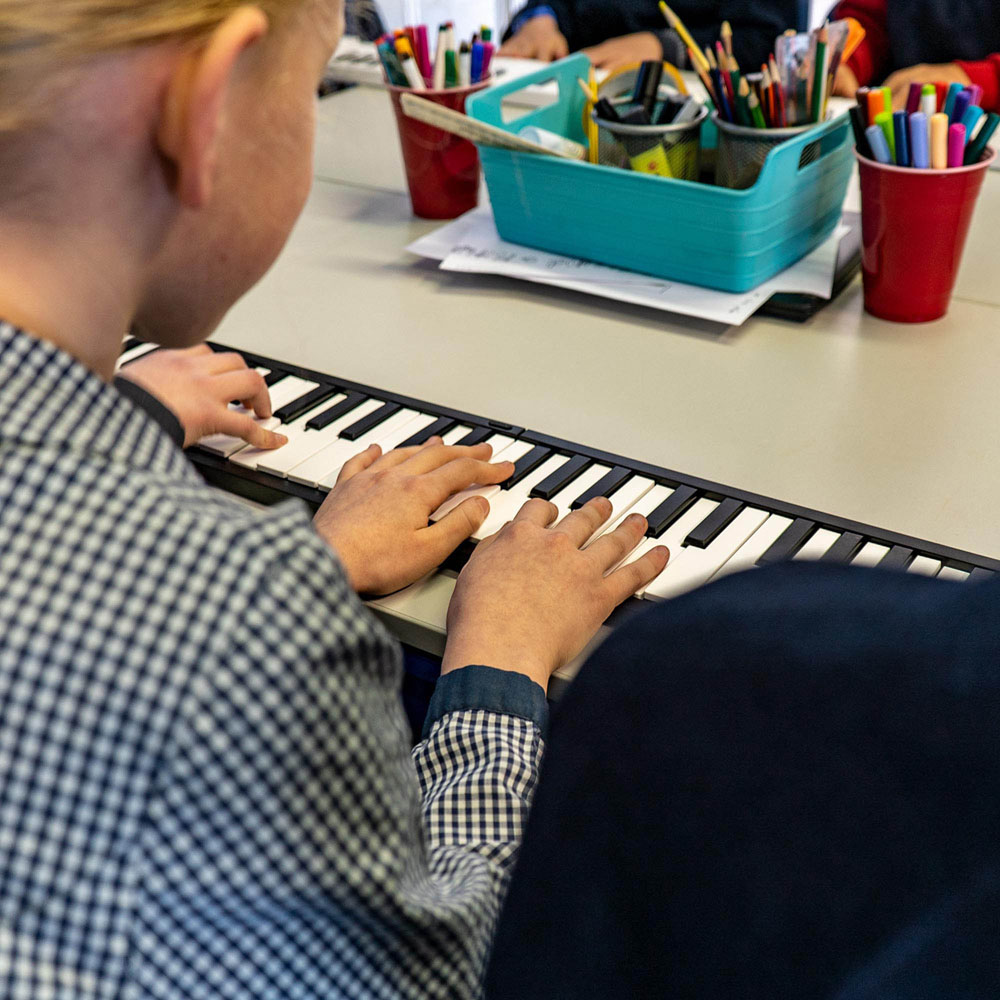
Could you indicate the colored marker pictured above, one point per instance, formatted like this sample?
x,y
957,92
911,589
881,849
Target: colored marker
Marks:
x,y
488,49
421,51
476,62
974,150
956,145
928,100
647,84
977,93
861,96
971,119
412,71
884,121
920,155
939,141
646,154
902,139
949,102
887,99
874,105
450,68
858,124
962,103
878,143
913,98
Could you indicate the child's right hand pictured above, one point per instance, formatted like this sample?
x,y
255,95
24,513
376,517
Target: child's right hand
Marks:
x,y
540,38
531,597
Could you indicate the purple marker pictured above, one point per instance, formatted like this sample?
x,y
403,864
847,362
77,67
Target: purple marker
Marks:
x,y
962,102
977,93
956,145
913,98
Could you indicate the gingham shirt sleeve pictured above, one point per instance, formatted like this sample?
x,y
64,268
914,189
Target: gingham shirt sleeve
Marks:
x,y
291,854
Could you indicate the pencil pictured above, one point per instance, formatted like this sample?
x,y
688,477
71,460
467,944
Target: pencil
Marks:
x,y
755,113
726,33
703,76
678,25
819,79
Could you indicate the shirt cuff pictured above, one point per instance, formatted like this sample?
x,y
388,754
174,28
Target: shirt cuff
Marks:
x,y
527,15
479,688
986,74
152,407
674,50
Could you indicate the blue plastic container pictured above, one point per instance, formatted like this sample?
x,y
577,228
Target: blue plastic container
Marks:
x,y
680,230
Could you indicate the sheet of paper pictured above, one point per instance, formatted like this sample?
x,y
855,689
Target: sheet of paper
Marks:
x,y
471,244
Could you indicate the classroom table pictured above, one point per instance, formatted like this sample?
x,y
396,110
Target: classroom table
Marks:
x,y
888,424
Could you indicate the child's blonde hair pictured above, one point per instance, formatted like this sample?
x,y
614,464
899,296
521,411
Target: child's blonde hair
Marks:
x,y
40,37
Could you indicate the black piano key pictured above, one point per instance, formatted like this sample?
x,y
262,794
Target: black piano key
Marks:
x,y
789,542
557,481
336,411
293,410
844,549
130,343
898,557
671,509
476,436
440,426
526,464
614,480
373,419
706,532
273,376
980,575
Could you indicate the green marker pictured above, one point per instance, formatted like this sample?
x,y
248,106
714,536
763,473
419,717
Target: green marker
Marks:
x,y
975,148
887,98
884,121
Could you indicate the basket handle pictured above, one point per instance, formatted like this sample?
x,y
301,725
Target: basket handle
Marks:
x,y
486,106
784,161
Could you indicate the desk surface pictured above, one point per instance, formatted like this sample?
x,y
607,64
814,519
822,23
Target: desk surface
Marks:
x,y
884,423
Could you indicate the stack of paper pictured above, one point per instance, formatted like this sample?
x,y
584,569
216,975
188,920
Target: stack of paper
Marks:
x,y
472,244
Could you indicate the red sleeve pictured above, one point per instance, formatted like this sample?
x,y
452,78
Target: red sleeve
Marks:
x,y
987,75
872,55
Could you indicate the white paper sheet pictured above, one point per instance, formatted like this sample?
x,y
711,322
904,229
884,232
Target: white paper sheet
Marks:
x,y
471,244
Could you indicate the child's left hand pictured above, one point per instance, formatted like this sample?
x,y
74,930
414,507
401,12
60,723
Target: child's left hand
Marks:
x,y
899,82
198,384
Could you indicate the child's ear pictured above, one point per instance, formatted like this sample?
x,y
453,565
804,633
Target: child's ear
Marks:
x,y
195,100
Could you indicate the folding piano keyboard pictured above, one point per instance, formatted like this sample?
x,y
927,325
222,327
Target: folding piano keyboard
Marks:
x,y
710,529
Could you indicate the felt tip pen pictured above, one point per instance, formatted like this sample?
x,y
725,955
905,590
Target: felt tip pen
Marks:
x,y
974,150
488,49
861,96
646,154
971,119
450,68
887,99
901,149
874,105
690,110
422,51
464,65
949,102
412,71
884,121
928,100
913,98
879,144
476,62
956,145
939,141
920,155
976,93
962,103
858,124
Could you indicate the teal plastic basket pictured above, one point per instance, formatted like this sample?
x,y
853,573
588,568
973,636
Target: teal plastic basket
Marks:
x,y
680,230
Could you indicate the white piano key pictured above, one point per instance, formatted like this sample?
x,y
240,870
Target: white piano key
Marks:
x,y
674,536
925,566
227,445
134,354
505,504
303,442
639,496
455,434
950,573
316,466
694,566
871,554
504,449
580,485
819,543
385,434
755,546
288,389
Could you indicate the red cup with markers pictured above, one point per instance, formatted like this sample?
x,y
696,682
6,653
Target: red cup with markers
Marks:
x,y
442,169
913,229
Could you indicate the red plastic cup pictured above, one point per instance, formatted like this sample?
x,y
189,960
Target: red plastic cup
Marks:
x,y
442,170
913,229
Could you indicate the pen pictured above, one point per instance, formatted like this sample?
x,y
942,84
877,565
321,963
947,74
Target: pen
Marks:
x,y
464,65
919,141
879,146
971,119
412,72
939,141
884,121
928,100
874,105
949,102
488,49
861,96
901,149
913,98
476,62
956,145
887,99
858,124
975,148
963,100
422,52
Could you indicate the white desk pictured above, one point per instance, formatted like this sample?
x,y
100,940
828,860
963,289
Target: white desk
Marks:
x,y
887,424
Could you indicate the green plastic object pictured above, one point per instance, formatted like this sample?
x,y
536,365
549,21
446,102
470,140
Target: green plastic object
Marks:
x,y
679,230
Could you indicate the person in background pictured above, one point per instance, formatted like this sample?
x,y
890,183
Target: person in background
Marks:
x,y
615,33
923,41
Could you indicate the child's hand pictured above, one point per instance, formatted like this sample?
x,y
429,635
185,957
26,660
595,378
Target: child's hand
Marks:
x,y
531,597
376,516
626,50
198,384
540,38
900,81
845,83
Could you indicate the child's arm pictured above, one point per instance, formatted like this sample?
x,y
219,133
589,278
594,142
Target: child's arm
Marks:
x,y
985,73
870,59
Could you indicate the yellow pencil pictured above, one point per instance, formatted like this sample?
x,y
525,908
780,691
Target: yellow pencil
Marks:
x,y
592,132
710,56
678,25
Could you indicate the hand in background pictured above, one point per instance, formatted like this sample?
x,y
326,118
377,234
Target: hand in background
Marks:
x,y
539,38
198,384
900,81
625,51
845,83
531,597
376,516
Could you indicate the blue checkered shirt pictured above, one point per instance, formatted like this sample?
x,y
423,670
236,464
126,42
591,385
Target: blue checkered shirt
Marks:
x,y
206,787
